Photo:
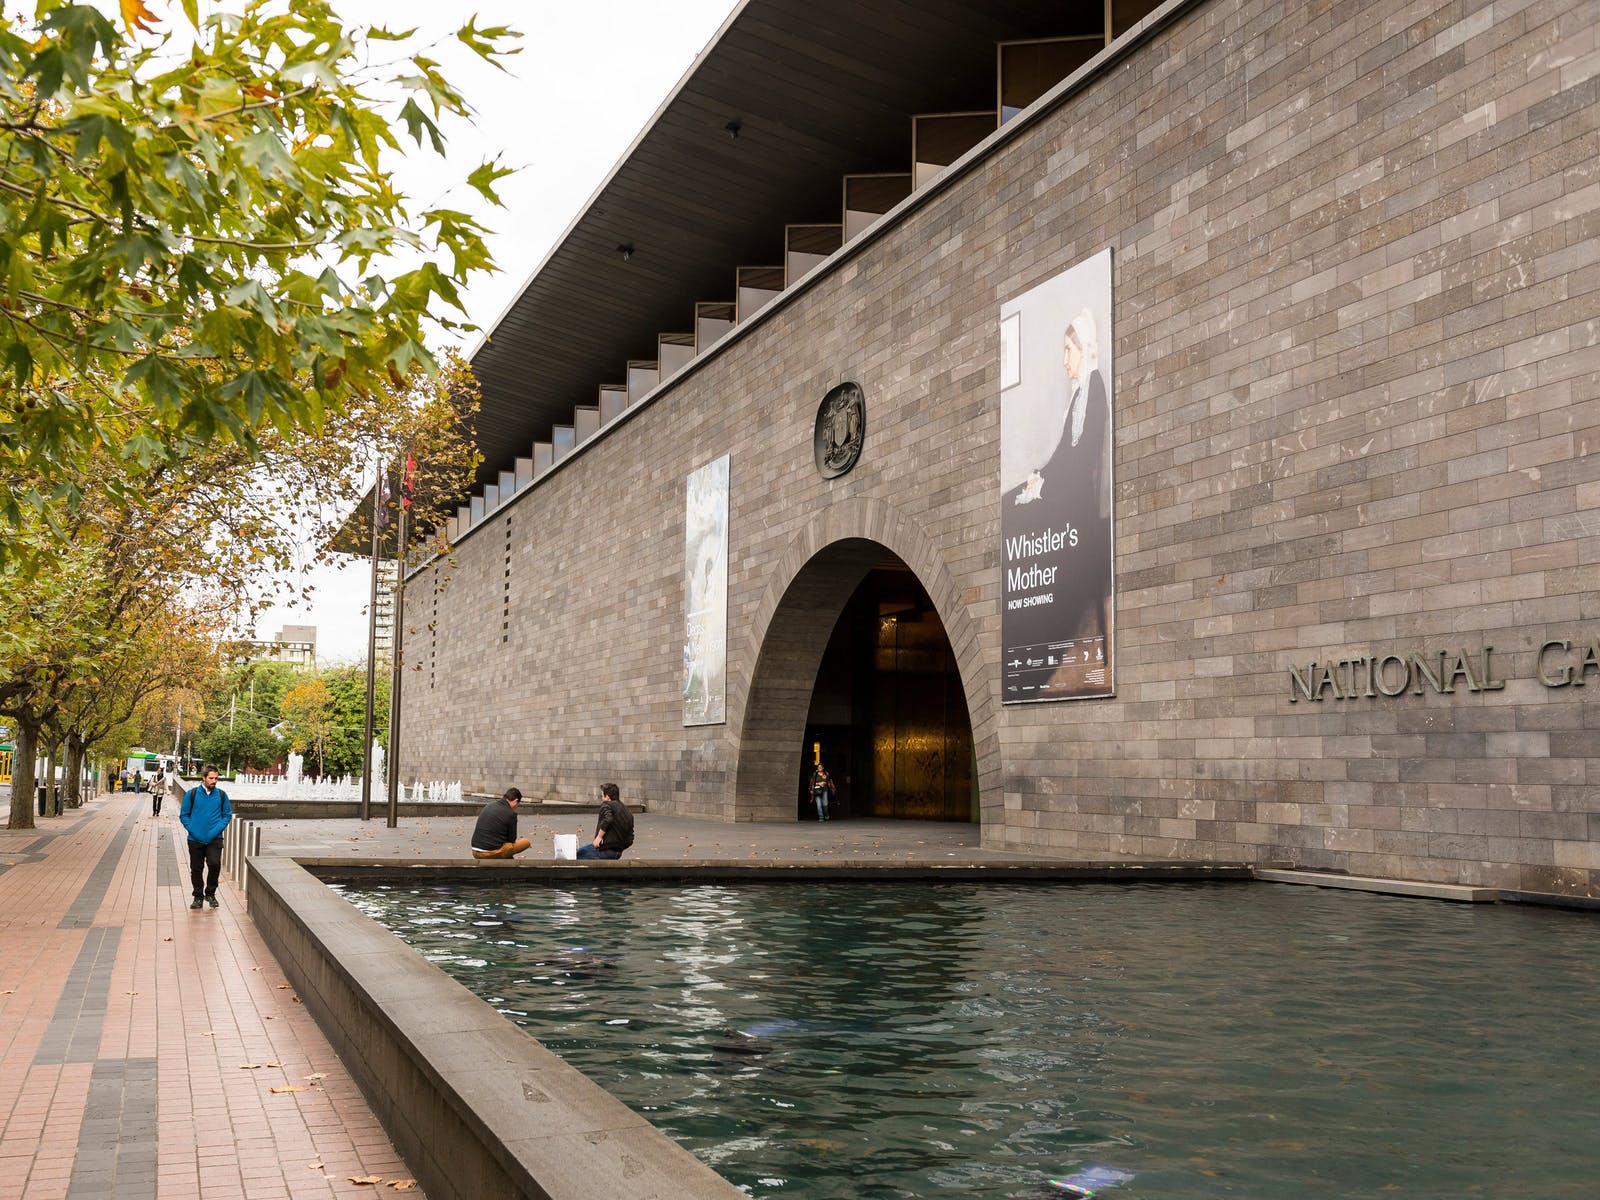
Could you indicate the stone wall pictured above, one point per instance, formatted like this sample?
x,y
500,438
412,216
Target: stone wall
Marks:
x,y
1357,341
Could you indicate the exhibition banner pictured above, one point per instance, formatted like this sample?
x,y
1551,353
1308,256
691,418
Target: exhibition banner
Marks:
x,y
1056,596
705,595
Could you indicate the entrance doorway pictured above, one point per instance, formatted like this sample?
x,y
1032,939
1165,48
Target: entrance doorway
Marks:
x,y
888,716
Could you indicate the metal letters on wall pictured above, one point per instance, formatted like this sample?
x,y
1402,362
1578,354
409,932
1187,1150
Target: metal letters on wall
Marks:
x,y
840,430
1057,603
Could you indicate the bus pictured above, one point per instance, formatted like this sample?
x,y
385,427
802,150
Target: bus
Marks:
x,y
141,762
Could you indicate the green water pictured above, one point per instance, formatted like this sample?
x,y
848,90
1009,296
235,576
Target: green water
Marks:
x,y
885,1040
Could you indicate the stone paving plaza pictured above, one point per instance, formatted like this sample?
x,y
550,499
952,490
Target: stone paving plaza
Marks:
x,y
125,1020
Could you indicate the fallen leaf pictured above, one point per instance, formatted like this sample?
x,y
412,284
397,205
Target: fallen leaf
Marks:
x,y
365,1178
292,1087
166,939
318,1077
316,1166
249,1066
402,1185
284,987
274,1064
130,993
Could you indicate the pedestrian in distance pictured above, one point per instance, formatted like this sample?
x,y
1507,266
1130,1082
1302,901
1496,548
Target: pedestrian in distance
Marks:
x,y
821,790
158,788
495,835
613,832
205,813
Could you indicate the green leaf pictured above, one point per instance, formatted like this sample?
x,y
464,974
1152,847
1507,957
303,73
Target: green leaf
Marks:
x,y
488,44
19,362
155,377
484,178
264,151
412,353
250,294
416,122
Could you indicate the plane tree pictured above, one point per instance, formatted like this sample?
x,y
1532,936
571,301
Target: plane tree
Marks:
x,y
201,240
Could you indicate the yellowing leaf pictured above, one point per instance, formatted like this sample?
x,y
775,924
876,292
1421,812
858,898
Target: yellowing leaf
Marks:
x,y
365,1178
138,16
292,1087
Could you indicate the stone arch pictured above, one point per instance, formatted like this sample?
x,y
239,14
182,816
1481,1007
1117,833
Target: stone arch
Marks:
x,y
789,631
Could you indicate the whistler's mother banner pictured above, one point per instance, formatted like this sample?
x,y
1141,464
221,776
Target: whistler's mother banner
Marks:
x,y
705,595
1057,609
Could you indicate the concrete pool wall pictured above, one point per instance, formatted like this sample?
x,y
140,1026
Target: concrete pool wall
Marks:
x,y
477,1108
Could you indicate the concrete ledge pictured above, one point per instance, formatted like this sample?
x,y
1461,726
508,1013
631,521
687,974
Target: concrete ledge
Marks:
x,y
770,871
1391,887
477,1108
349,810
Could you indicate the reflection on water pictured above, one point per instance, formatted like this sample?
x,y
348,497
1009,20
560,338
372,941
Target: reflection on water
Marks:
x,y
885,1040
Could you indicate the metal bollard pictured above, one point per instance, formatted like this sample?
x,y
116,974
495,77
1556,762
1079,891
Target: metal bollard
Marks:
x,y
240,841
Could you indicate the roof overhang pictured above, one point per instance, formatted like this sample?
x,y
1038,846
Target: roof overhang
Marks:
x,y
818,90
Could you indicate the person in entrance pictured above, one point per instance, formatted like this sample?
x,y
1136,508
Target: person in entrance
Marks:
x,y
613,832
495,835
821,789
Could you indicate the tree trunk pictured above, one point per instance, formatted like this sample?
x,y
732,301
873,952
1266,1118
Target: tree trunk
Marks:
x,y
73,776
22,774
52,802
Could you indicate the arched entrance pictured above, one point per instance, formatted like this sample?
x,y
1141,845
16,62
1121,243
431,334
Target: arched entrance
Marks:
x,y
855,555
888,716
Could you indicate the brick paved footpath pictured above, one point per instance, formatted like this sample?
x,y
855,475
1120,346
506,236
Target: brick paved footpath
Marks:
x,y
125,1018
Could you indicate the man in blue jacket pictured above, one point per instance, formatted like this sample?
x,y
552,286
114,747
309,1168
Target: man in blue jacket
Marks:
x,y
205,813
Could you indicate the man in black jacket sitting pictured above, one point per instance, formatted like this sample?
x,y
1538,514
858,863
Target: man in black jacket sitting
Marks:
x,y
495,835
613,833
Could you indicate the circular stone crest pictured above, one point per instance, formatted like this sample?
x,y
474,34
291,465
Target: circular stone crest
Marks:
x,y
840,430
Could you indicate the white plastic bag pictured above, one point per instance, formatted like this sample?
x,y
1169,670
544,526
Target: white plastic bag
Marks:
x,y
566,845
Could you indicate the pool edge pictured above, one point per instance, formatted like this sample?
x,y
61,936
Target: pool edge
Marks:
x,y
475,1106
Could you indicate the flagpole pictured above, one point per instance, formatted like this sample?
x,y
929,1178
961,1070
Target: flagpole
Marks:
x,y
379,510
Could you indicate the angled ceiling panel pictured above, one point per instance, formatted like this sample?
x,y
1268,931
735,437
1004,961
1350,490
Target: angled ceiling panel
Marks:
x,y
820,89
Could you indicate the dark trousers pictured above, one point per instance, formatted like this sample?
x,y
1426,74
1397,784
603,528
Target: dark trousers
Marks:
x,y
155,803
205,857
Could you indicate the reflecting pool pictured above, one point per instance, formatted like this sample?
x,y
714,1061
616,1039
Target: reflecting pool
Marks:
x,y
889,1040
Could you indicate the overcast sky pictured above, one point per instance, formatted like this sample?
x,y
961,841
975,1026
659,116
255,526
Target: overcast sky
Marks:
x,y
589,77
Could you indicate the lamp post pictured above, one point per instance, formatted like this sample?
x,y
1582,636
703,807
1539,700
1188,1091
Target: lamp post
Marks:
x,y
407,482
